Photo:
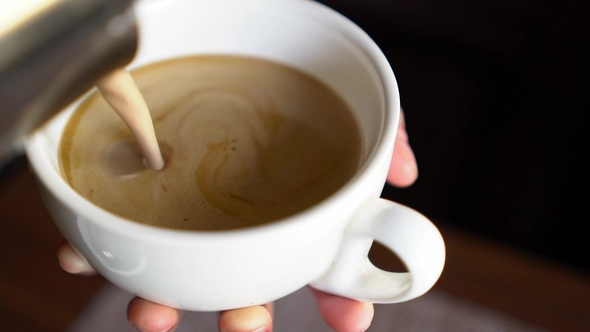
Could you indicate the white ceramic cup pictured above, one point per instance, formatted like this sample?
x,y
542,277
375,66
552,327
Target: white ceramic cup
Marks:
x,y
326,245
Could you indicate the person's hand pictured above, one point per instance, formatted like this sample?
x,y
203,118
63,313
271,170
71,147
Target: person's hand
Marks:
x,y
403,170
341,314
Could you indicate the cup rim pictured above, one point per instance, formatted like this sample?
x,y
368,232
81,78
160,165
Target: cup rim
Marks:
x,y
377,155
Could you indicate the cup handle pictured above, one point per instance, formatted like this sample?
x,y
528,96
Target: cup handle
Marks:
x,y
409,234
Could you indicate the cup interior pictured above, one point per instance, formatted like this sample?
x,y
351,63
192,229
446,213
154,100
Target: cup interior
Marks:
x,y
302,34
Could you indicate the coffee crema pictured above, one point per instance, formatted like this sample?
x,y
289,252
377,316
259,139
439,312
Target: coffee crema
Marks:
x,y
246,142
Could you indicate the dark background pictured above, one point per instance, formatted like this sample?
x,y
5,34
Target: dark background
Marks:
x,y
496,107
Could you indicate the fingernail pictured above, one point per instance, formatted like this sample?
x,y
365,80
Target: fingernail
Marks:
x,y
140,330
365,329
261,329
73,262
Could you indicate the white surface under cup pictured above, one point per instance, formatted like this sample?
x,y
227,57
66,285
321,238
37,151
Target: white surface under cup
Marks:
x,y
326,245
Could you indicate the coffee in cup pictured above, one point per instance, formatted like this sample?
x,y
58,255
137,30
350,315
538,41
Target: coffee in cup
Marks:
x,y
246,142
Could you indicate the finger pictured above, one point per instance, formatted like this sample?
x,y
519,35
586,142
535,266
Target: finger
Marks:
x,y
71,261
403,170
249,319
344,315
148,316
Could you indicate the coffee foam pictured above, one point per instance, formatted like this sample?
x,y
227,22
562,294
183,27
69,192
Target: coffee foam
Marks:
x,y
246,142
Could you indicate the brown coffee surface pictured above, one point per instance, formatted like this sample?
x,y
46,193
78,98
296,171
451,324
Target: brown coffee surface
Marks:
x,y
246,142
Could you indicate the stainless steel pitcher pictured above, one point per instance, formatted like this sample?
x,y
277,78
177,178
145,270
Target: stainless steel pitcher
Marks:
x,y
51,52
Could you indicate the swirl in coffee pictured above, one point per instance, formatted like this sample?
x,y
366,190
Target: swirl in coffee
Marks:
x,y
245,142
